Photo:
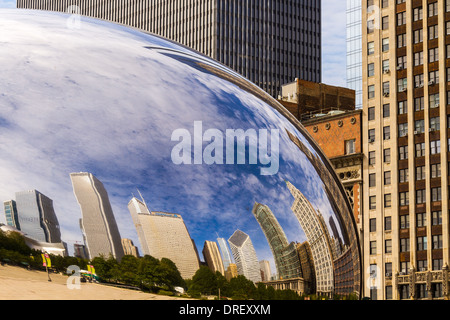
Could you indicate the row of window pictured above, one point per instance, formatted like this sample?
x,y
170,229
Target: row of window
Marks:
x,y
421,244
436,195
403,175
421,221
403,154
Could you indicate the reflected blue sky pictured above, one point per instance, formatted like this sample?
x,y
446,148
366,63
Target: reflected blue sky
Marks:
x,y
99,100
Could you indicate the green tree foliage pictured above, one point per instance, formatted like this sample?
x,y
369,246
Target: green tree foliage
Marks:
x,y
147,273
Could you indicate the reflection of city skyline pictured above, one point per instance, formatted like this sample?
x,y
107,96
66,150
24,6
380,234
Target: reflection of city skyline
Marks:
x,y
289,261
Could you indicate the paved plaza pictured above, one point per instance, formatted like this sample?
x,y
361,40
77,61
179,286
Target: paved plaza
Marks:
x,y
20,284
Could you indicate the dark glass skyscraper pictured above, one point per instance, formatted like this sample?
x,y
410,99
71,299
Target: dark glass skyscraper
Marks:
x,y
269,42
37,217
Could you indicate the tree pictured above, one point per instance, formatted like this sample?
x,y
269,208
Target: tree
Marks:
x,y
105,269
204,281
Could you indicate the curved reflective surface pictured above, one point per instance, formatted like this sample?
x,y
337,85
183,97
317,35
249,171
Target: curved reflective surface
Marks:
x,y
109,133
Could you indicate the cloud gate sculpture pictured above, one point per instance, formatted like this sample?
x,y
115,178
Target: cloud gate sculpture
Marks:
x,y
108,133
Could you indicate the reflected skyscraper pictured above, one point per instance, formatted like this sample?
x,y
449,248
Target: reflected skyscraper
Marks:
x,y
98,223
12,219
165,235
354,49
317,239
225,252
250,37
245,256
212,257
286,257
37,217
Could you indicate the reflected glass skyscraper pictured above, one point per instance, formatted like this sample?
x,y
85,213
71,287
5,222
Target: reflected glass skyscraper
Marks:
x,y
269,42
37,217
225,252
354,49
98,224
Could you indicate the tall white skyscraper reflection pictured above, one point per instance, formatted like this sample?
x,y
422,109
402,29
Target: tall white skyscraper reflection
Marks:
x,y
98,224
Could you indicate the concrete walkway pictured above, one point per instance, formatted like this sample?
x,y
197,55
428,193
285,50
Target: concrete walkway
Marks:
x,y
20,284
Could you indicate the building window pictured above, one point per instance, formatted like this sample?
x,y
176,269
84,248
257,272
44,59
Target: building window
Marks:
x,y
404,245
436,170
436,217
372,202
386,89
388,246
401,40
372,225
420,149
373,247
371,69
403,175
385,22
387,224
435,124
433,55
350,146
404,200
418,14
418,58
386,110
419,104
437,264
421,219
437,290
371,158
403,152
387,178
433,32
372,180
420,196
432,9
422,243
419,126
386,133
433,77
371,48
435,147
403,129
371,91
401,18
371,113
436,194
387,155
385,44
418,81
437,241
434,100
420,173
402,84
417,37
371,135
402,107
387,200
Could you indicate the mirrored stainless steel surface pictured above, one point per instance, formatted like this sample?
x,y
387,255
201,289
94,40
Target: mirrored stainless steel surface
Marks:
x,y
142,138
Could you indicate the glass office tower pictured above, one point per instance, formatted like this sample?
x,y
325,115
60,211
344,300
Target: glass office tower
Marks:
x,y
354,49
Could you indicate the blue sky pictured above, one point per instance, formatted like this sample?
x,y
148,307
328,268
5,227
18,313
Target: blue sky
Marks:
x,y
333,42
